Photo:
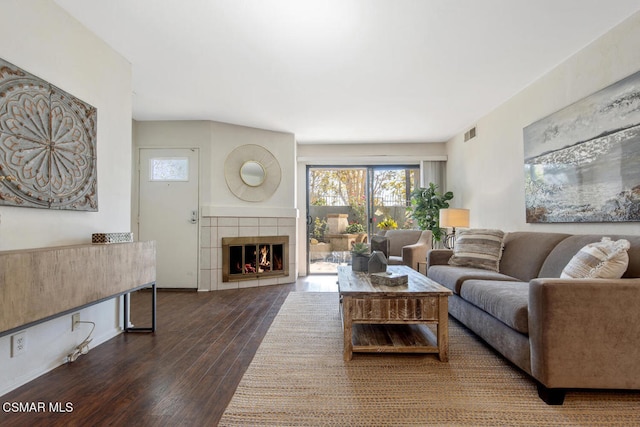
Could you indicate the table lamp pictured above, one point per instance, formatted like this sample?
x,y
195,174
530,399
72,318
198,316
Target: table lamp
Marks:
x,y
453,218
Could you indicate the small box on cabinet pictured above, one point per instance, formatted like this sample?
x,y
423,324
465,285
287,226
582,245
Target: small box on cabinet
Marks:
x,y
106,238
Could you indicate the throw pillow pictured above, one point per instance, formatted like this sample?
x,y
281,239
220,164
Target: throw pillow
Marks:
x,y
606,259
478,248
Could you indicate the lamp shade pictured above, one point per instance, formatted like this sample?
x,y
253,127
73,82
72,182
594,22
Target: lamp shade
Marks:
x,y
454,217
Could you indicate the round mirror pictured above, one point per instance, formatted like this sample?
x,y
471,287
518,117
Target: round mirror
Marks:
x,y
252,173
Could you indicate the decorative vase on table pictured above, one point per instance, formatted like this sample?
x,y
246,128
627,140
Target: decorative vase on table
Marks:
x,y
360,257
377,262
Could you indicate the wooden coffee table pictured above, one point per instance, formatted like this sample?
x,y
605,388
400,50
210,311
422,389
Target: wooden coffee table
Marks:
x,y
393,319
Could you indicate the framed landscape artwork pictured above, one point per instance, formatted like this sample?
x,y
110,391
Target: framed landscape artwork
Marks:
x,y
582,163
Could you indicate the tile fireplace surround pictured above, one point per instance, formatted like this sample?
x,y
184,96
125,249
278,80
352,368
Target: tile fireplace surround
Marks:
x,y
214,228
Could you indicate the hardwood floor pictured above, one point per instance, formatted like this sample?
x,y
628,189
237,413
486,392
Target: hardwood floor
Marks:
x,y
184,374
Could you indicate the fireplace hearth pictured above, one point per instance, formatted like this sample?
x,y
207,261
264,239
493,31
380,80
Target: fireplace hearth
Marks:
x,y
250,258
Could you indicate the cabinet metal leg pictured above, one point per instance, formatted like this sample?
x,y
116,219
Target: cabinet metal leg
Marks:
x,y
128,328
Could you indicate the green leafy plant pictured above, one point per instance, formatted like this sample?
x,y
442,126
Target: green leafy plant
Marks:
x,y
355,228
425,208
319,227
360,249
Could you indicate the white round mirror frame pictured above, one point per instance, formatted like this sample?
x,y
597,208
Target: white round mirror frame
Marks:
x,y
249,189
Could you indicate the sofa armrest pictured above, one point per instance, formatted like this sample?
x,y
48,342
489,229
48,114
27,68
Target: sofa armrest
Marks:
x,y
412,254
416,252
585,333
438,257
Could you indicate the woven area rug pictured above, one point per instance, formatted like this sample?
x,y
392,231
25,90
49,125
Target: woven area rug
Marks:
x,y
298,377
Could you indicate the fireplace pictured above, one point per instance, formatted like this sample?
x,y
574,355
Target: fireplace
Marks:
x,y
250,258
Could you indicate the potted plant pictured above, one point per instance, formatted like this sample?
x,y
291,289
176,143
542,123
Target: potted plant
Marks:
x,y
425,208
355,228
318,230
360,257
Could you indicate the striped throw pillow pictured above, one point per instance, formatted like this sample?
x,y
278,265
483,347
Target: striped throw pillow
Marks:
x,y
478,248
606,259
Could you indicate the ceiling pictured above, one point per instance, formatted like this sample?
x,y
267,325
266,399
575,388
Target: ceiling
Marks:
x,y
341,71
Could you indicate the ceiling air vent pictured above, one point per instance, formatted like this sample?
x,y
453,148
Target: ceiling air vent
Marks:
x,y
470,134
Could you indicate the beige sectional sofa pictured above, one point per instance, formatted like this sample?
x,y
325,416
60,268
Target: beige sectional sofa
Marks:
x,y
565,333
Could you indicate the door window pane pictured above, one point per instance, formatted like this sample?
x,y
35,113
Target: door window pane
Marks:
x,y
391,189
169,169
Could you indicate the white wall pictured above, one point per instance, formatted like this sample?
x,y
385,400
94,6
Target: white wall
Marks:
x,y
41,38
486,174
215,141
173,134
225,138
370,154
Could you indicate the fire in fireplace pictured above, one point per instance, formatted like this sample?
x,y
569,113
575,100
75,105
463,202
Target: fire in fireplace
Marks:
x,y
246,258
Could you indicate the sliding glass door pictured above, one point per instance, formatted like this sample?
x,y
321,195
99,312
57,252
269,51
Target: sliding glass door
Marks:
x,y
390,196
346,205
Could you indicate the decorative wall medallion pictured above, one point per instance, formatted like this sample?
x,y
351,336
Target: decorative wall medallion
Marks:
x,y
252,173
47,145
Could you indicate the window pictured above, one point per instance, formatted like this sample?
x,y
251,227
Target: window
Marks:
x,y
169,169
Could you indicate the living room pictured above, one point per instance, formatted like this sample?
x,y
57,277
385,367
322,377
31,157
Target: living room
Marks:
x,y
485,173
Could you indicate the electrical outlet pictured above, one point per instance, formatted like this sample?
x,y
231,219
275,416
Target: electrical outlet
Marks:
x,y
18,344
75,318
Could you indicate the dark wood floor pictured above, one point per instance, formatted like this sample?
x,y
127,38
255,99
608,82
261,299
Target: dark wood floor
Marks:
x,y
184,374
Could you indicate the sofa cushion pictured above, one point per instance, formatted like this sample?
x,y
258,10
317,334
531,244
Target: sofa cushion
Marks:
x,y
525,251
453,277
506,301
566,249
606,259
479,248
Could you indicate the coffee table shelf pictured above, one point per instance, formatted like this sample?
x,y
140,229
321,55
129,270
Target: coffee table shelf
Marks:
x,y
393,338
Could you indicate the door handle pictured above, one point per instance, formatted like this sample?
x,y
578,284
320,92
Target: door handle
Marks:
x,y
194,217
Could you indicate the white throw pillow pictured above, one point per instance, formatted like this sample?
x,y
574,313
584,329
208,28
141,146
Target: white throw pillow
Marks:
x,y
606,259
478,248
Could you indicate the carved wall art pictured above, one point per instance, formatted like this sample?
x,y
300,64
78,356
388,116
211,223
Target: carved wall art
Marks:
x,y
47,145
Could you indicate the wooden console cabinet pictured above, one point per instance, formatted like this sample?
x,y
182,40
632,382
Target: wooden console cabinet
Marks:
x,y
37,285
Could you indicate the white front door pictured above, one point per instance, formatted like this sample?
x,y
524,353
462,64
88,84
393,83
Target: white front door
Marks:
x,y
168,213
